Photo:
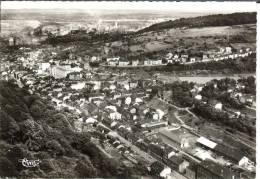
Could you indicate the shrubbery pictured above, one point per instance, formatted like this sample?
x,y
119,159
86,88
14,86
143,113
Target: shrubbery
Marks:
x,y
31,128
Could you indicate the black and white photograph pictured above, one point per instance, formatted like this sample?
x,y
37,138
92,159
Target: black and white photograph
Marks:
x,y
120,89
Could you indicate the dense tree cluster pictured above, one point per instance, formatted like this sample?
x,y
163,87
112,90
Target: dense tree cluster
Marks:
x,y
205,21
218,91
31,128
222,118
181,95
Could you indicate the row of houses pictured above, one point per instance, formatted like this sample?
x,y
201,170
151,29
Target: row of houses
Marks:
x,y
225,53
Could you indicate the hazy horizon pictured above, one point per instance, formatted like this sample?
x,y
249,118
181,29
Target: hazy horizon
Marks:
x,y
203,7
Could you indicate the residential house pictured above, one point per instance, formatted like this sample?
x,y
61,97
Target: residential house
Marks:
x,y
184,58
170,61
158,169
95,59
12,41
222,58
113,62
228,50
147,62
176,56
115,116
97,85
113,59
183,166
152,62
135,62
205,57
218,106
92,96
232,56
133,110
221,50
75,76
86,65
169,56
117,95
133,84
217,58
78,86
175,162
246,163
198,97
165,172
44,66
192,59
123,62
190,171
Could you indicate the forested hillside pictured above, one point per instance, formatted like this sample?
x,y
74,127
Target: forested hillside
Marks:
x,y
205,21
31,128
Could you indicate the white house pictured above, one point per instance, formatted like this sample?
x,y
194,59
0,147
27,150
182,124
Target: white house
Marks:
x,y
112,87
113,108
246,163
44,66
115,116
231,56
123,63
90,120
113,59
169,61
228,50
138,100
198,97
135,62
78,86
155,116
176,56
221,50
165,172
128,101
218,106
112,63
192,60
160,113
169,56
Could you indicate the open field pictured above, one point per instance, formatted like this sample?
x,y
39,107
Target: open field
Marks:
x,y
239,35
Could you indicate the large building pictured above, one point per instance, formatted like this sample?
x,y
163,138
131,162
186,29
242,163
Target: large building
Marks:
x,y
63,71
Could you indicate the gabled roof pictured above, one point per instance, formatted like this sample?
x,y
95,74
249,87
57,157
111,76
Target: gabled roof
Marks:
x,y
176,159
206,142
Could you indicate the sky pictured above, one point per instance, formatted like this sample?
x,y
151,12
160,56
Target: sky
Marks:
x,y
117,5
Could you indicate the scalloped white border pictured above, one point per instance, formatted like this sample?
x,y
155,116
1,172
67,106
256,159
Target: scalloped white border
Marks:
x,y
209,6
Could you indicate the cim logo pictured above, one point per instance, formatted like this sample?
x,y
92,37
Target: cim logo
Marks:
x,y
30,163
